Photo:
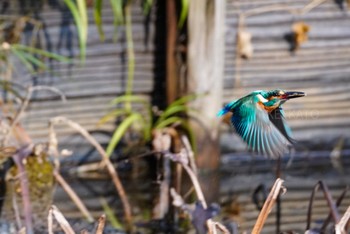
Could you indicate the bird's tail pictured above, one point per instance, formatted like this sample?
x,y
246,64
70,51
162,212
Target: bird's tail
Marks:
x,y
222,112
226,109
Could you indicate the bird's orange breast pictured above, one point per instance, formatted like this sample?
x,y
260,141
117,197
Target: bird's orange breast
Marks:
x,y
269,109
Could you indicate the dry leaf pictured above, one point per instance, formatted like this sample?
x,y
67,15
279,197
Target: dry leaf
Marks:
x,y
245,47
300,34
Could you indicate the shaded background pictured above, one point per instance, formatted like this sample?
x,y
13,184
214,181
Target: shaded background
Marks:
x,y
320,68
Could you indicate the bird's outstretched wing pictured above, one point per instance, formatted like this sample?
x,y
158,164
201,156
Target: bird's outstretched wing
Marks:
x,y
277,118
252,123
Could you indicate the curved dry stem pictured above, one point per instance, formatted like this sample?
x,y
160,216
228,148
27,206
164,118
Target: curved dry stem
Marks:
x,y
113,173
330,202
338,202
270,201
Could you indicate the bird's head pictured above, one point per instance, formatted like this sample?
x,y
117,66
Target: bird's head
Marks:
x,y
283,95
275,98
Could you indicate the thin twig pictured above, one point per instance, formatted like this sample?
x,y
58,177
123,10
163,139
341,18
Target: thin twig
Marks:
x,y
75,198
15,206
341,226
113,173
101,224
50,222
54,211
24,183
190,153
270,201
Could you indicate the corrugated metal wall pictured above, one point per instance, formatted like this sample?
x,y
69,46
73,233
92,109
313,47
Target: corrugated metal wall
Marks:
x,y
90,87
321,67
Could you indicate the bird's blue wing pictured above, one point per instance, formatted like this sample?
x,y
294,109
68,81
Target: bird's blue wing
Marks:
x,y
252,123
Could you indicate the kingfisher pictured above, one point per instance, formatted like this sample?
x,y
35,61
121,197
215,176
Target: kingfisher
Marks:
x,y
259,119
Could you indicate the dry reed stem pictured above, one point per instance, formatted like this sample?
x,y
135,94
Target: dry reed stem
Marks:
x,y
338,202
342,225
214,226
15,206
24,184
54,211
270,201
101,224
331,204
73,196
105,159
50,222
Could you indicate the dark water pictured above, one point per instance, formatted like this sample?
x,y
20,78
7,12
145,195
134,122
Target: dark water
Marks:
x,y
239,187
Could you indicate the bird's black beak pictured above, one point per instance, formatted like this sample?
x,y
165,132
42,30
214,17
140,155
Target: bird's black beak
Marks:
x,y
294,94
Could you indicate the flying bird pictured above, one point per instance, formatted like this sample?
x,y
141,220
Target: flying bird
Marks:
x,y
259,119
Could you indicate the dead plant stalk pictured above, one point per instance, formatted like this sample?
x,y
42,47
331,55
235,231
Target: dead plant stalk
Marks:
x,y
113,173
270,201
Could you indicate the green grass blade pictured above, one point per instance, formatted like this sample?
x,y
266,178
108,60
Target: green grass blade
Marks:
x,y
7,85
130,50
120,131
185,99
35,61
41,52
111,115
117,8
131,98
79,22
23,59
147,5
170,111
184,13
168,121
110,214
98,18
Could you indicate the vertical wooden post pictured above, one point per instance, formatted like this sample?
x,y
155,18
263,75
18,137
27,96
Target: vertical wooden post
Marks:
x,y
206,50
171,71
